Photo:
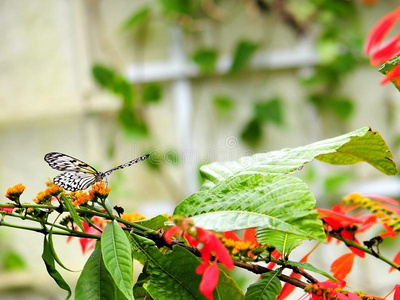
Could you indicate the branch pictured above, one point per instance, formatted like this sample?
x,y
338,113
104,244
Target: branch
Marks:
x,y
350,243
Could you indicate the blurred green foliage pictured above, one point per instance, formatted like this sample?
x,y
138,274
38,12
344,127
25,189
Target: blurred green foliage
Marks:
x,y
11,261
223,104
243,53
138,18
206,59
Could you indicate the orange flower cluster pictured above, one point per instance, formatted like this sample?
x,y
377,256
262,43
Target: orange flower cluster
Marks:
x,y
240,248
14,192
44,197
132,217
388,215
99,190
80,198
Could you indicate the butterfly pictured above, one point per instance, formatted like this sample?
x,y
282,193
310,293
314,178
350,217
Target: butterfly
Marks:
x,y
79,175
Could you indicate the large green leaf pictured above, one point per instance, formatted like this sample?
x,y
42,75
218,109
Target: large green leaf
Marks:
x,y
95,282
277,202
48,259
282,241
116,251
173,276
267,288
357,146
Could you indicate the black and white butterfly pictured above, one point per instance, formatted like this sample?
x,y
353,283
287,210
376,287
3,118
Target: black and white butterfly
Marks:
x,y
79,175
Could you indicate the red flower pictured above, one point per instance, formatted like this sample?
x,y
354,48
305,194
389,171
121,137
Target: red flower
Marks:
x,y
381,53
396,260
87,244
342,266
8,210
330,290
397,292
211,245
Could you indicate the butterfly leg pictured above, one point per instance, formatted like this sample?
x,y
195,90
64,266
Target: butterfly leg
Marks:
x,y
106,181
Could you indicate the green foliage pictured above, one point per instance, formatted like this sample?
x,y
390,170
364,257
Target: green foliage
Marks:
x,y
173,276
253,200
72,211
138,18
51,268
342,107
206,59
116,251
178,7
252,133
310,267
152,93
12,261
283,242
357,146
267,288
223,104
269,111
333,182
243,53
154,223
95,282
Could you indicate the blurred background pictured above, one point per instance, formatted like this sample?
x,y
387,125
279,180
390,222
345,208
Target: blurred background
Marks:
x,y
190,82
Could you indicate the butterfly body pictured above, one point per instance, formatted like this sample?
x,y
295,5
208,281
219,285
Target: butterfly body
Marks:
x,y
78,175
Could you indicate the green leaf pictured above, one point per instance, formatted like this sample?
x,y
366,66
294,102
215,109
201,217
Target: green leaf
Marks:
x,y
177,7
72,211
51,269
311,268
252,133
154,223
139,291
342,107
152,93
103,75
12,261
95,282
283,242
277,202
173,276
266,288
269,111
223,104
243,53
206,59
390,65
138,18
116,251
54,253
134,125
357,146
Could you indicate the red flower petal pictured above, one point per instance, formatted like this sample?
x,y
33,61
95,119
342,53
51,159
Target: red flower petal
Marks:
x,y
338,216
349,236
383,199
381,29
8,210
342,266
250,235
174,230
386,51
209,281
396,260
221,252
396,292
389,232
231,235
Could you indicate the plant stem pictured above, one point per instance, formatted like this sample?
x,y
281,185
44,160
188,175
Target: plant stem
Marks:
x,y
350,243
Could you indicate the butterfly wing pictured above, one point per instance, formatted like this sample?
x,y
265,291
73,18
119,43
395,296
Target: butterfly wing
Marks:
x,y
72,181
129,163
64,162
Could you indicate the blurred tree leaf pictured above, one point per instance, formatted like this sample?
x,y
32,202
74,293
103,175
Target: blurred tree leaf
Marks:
x,y
252,133
104,76
171,157
206,59
333,183
342,107
270,110
131,122
243,53
177,7
138,18
152,93
124,89
223,104
11,261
